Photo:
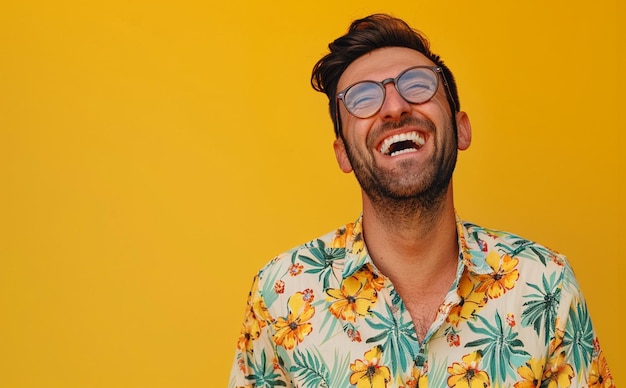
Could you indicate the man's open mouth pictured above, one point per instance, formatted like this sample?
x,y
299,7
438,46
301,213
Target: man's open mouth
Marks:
x,y
402,143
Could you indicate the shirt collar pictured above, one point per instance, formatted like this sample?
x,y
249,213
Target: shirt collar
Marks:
x,y
356,251
357,255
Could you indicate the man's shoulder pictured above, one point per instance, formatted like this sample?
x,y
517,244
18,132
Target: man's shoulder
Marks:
x,y
315,252
480,240
489,251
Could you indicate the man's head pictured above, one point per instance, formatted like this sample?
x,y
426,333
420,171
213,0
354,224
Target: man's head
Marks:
x,y
398,125
364,36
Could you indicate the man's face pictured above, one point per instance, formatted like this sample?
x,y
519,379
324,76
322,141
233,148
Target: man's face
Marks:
x,y
405,150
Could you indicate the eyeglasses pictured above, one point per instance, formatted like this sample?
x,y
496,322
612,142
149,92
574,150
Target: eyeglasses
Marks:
x,y
416,85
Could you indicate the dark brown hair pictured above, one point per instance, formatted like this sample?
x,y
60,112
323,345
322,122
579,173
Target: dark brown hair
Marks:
x,y
366,35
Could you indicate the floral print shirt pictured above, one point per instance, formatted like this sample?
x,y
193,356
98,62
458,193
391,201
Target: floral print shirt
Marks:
x,y
322,315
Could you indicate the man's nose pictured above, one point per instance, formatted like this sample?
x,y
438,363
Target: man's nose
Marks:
x,y
394,106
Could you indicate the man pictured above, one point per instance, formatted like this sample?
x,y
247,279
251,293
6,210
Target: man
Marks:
x,y
409,295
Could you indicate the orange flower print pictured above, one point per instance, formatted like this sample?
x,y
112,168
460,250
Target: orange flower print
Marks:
x,y
368,373
417,380
472,300
295,269
531,372
599,374
241,364
453,339
291,330
308,295
510,319
279,287
558,259
355,298
558,373
502,278
467,374
352,332
275,364
354,335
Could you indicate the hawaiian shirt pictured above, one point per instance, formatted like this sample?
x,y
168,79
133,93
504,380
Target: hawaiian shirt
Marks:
x,y
322,315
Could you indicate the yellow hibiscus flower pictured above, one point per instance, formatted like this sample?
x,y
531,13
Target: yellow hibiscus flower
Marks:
x,y
355,298
502,278
339,241
368,373
259,310
467,255
358,242
365,274
559,334
532,373
472,300
467,374
599,374
292,330
249,332
558,373
257,317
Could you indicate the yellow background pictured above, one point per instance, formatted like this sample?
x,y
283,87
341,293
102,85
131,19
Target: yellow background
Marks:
x,y
153,155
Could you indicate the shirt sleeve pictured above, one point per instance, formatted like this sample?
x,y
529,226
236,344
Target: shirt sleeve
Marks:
x,y
574,351
255,356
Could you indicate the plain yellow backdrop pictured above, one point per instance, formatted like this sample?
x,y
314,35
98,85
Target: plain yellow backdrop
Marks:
x,y
154,154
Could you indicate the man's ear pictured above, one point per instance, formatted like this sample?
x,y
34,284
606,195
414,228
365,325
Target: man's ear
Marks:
x,y
464,131
342,155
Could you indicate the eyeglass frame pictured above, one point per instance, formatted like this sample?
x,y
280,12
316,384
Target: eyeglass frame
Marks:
x,y
436,69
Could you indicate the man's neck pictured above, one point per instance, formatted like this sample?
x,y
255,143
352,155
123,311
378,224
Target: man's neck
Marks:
x,y
412,246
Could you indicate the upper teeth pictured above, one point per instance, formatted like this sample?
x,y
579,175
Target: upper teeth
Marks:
x,y
415,137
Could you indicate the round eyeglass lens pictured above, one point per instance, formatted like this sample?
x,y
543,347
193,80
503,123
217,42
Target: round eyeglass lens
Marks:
x,y
364,99
418,85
